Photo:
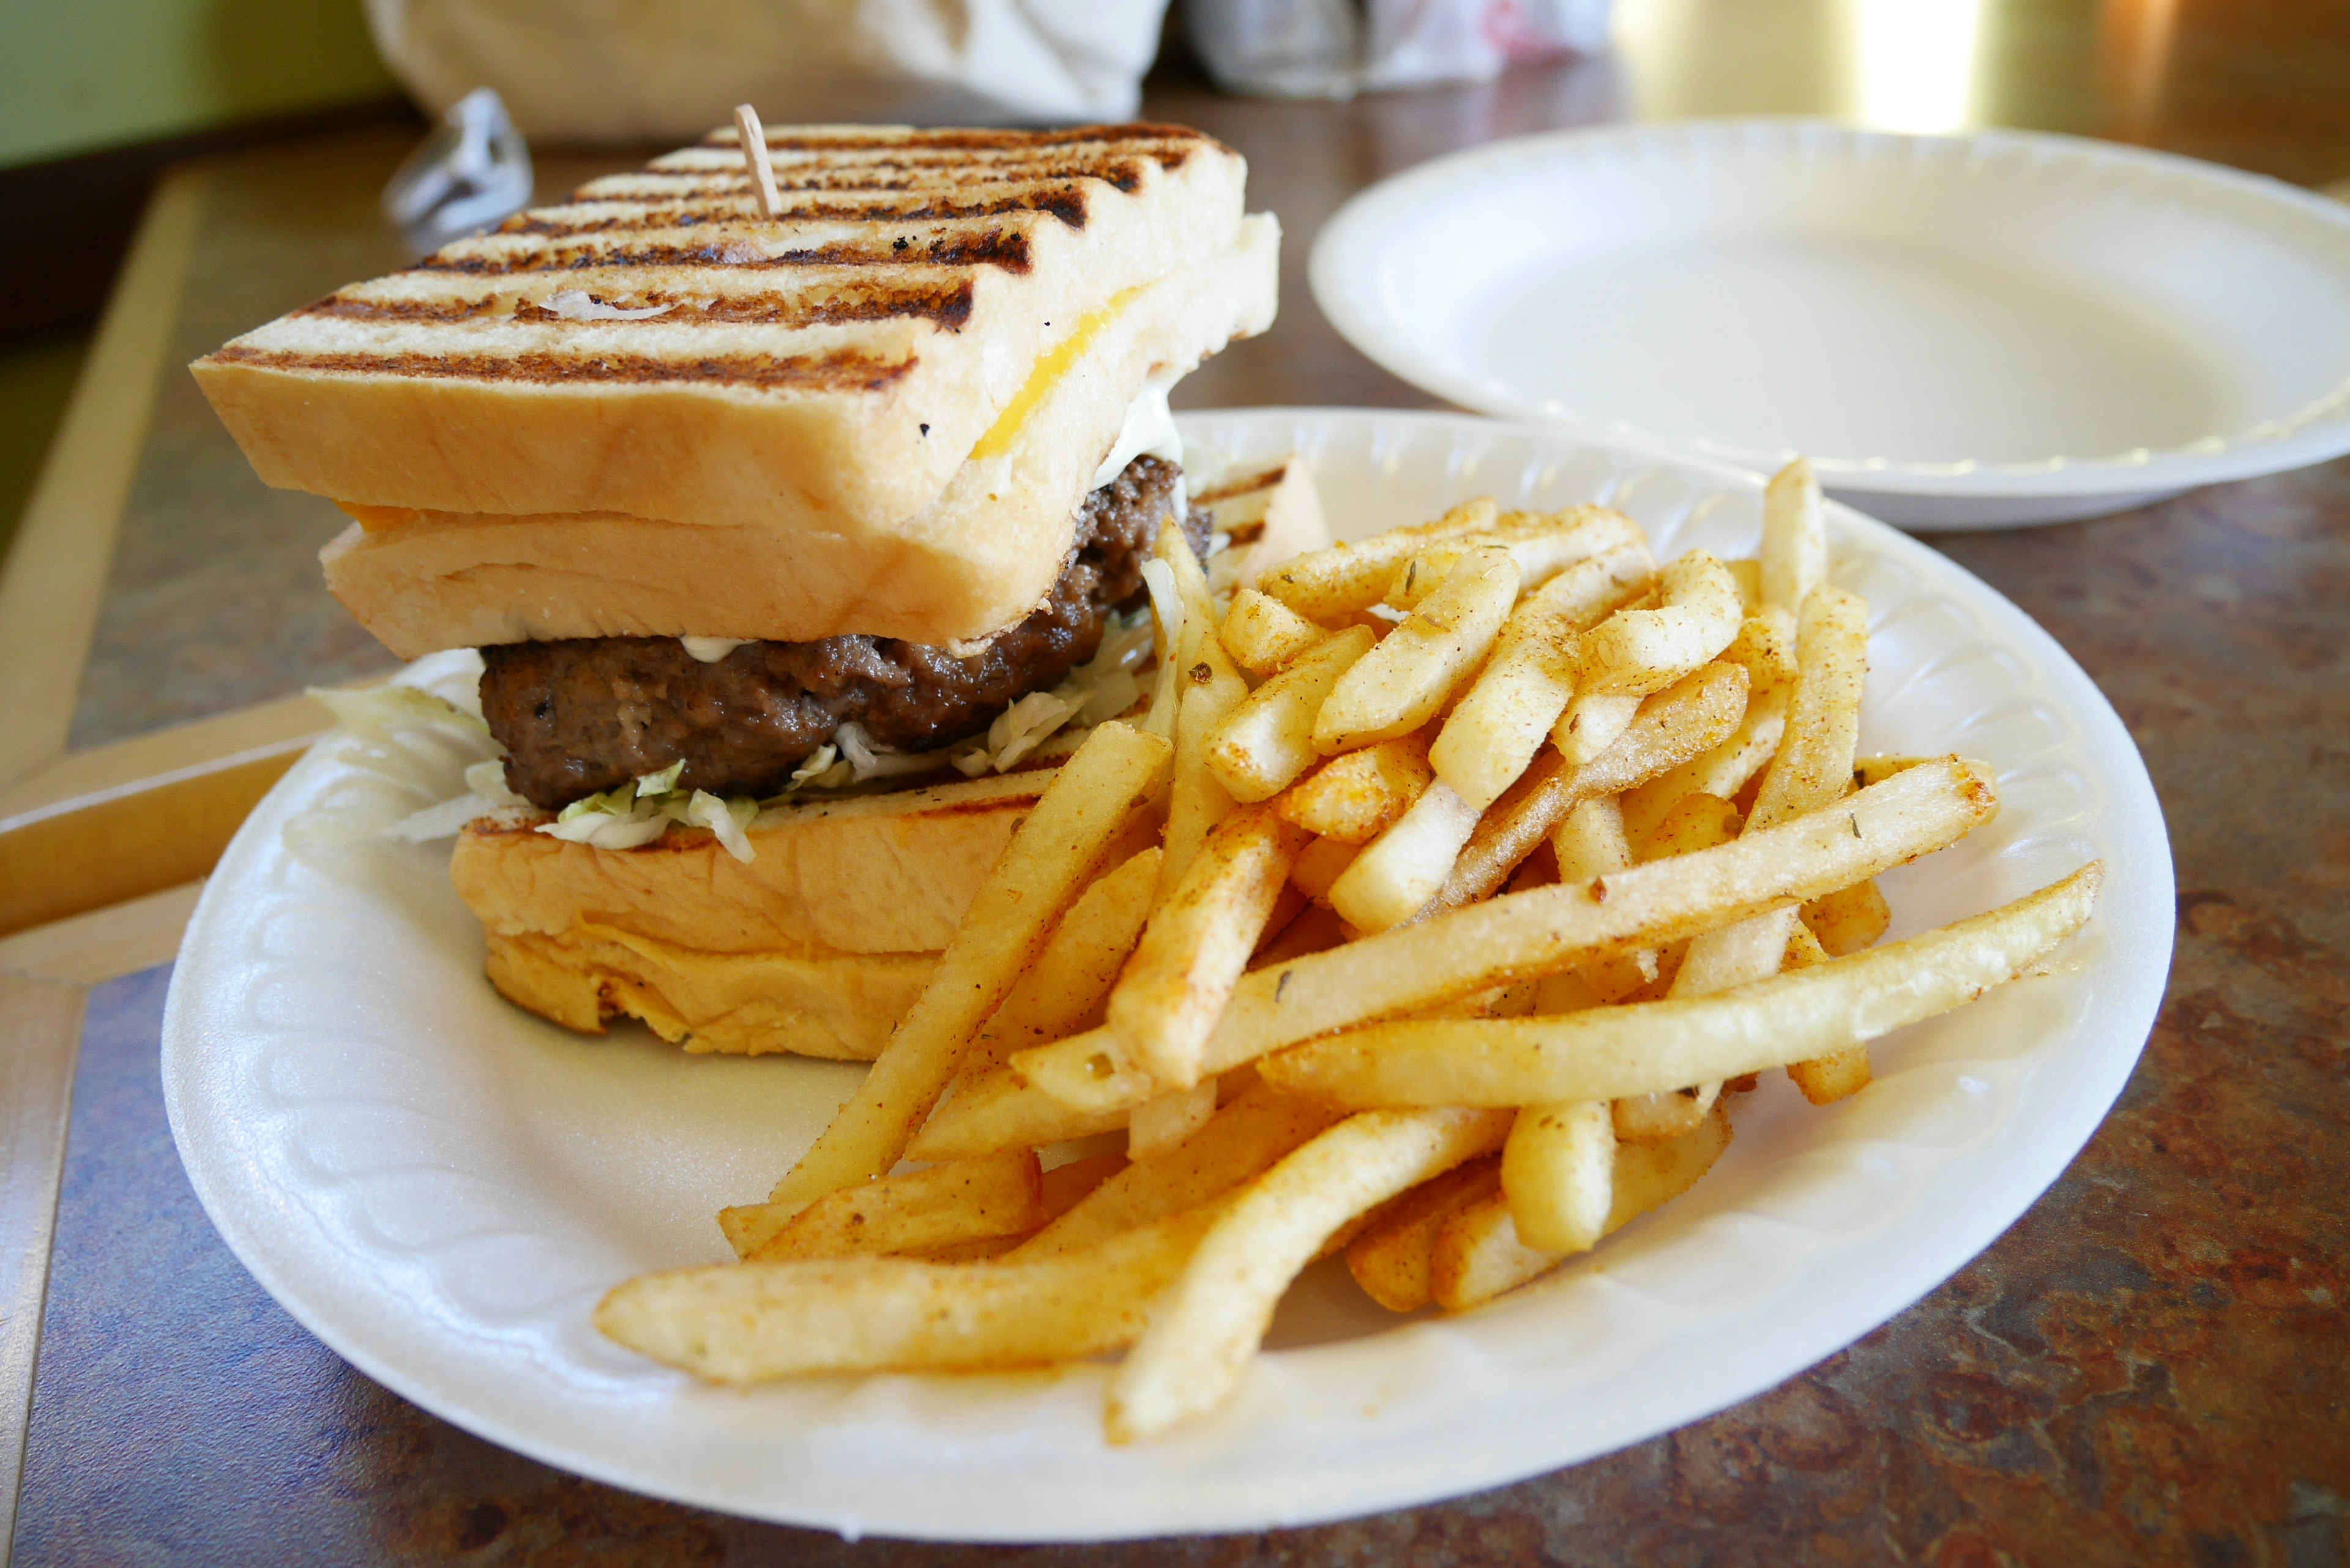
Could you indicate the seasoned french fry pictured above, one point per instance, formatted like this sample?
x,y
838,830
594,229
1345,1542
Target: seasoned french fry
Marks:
x,y
1205,1331
1614,1052
1811,770
1847,920
1795,552
1591,723
1495,730
1542,546
1239,1142
1268,740
1105,786
1390,1259
1357,796
1765,645
1063,989
1866,771
1636,651
1672,726
1723,771
1401,683
1063,1186
1697,821
1327,584
1558,1170
1262,634
1814,762
1589,842
1824,1079
1212,688
1319,866
1401,870
1477,1253
1318,929
1159,1124
963,1200
994,1109
746,1322
1545,929
1198,942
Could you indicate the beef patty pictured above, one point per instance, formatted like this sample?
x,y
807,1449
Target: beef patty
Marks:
x,y
590,713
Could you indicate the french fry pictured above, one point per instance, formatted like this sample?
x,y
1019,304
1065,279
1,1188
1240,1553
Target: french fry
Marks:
x,y
1794,553
1318,929
1198,942
1063,1186
1765,645
1866,771
1614,1053
1477,1253
1557,1170
1812,769
1814,765
1063,989
1390,1259
1847,920
1723,771
1104,786
1159,1124
1636,651
994,1110
1262,634
1357,796
746,1322
1239,1142
1697,821
1327,584
963,1200
1319,866
1589,841
1542,546
1591,723
1400,871
1212,688
1402,683
1824,1079
1268,740
1673,726
1543,929
1495,730
1208,1326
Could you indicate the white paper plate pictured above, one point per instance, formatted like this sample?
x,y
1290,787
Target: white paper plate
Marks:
x,y
1962,332
439,1186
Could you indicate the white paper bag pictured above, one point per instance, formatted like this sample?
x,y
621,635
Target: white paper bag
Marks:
x,y
653,71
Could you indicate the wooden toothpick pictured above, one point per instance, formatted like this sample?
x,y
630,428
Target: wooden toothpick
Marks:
x,y
754,156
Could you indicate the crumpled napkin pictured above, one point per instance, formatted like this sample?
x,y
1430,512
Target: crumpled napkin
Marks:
x,y
649,71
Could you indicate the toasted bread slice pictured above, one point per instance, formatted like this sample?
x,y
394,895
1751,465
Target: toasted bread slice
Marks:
x,y
977,558
656,346
817,946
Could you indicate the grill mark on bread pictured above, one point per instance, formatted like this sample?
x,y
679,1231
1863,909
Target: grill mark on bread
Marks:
x,y
1179,140
947,304
650,187
1005,248
834,372
1066,201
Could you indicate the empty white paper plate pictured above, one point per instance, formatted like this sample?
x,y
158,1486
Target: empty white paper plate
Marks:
x,y
1962,332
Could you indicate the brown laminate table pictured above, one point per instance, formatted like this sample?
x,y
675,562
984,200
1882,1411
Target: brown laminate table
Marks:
x,y
2153,1365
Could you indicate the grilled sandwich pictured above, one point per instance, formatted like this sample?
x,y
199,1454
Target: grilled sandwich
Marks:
x,y
739,507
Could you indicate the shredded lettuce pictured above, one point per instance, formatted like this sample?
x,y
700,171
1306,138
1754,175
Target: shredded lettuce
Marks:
x,y
376,712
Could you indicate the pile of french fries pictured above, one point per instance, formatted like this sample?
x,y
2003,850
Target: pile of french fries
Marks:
x,y
1452,888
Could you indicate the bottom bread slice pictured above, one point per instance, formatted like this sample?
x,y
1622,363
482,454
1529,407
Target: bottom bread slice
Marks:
x,y
841,1005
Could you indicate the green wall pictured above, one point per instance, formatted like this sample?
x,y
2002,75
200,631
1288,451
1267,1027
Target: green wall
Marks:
x,y
79,75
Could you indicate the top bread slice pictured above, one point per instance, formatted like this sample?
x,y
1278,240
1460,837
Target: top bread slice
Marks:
x,y
828,370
